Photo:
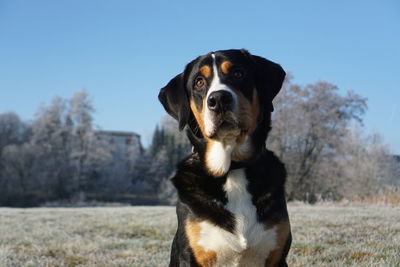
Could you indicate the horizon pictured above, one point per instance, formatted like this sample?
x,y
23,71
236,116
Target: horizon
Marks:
x,y
122,54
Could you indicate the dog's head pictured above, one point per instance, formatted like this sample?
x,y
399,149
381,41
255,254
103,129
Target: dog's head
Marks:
x,y
225,98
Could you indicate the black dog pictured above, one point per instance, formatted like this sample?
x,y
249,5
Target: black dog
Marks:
x,y
232,208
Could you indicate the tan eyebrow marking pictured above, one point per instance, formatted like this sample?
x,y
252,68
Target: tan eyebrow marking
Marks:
x,y
205,71
225,66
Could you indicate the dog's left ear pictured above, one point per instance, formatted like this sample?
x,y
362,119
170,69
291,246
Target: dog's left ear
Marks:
x,y
269,80
175,101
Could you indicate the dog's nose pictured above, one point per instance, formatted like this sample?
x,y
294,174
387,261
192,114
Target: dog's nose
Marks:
x,y
220,101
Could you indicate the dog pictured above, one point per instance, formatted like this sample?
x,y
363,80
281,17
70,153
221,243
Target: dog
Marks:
x,y
231,200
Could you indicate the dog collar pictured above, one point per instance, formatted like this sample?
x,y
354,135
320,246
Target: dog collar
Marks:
x,y
242,164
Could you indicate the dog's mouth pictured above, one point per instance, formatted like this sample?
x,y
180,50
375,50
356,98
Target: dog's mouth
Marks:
x,y
225,126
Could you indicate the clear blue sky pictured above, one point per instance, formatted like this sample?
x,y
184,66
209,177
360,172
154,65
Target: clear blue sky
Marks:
x,y
123,52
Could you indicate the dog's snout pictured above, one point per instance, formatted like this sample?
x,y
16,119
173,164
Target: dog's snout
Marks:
x,y
220,101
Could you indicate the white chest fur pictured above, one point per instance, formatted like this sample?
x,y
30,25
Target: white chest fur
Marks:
x,y
251,243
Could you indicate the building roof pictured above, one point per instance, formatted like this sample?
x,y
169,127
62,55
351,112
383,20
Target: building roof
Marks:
x,y
119,133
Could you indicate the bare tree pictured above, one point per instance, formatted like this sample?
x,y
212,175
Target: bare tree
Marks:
x,y
18,160
87,153
69,155
12,129
309,124
12,132
367,164
49,134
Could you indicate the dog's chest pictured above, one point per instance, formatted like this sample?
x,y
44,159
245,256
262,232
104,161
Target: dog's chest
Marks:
x,y
251,242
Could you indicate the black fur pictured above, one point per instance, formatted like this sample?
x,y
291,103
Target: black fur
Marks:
x,y
174,99
201,196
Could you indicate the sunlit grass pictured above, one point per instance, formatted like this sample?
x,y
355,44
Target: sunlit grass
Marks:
x,y
141,236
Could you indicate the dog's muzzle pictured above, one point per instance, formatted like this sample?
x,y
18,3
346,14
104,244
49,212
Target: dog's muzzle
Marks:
x,y
221,105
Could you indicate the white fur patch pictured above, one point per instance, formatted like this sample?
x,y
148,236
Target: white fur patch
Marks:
x,y
216,85
251,233
251,244
218,158
219,154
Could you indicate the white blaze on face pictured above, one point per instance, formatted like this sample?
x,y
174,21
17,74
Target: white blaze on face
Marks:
x,y
216,85
218,156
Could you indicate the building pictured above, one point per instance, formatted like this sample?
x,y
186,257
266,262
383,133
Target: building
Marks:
x,y
125,144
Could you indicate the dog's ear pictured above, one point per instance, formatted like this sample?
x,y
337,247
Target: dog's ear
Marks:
x,y
175,101
269,80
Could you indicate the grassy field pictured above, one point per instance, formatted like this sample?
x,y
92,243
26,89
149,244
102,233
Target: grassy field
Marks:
x,y
325,235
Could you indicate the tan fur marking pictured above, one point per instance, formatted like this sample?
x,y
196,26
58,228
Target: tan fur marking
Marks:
x,y
283,230
237,156
248,114
203,257
240,139
199,116
205,71
225,66
240,157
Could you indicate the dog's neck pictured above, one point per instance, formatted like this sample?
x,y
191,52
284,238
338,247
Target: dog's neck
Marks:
x,y
219,157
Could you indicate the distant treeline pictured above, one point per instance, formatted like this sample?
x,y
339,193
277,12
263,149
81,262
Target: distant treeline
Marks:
x,y
60,157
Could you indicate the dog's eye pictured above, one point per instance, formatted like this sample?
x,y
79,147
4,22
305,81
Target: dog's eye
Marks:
x,y
200,82
238,74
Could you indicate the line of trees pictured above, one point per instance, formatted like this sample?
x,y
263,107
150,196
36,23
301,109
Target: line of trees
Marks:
x,y
60,156
55,156
317,133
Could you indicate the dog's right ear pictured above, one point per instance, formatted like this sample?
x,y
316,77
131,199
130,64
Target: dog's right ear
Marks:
x,y
175,100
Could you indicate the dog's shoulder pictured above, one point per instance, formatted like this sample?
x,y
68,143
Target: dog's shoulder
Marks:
x,y
190,174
